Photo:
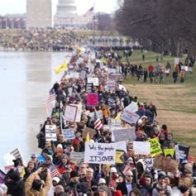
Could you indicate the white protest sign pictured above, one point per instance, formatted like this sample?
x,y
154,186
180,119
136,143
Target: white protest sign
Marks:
x,y
70,113
69,134
93,80
115,123
141,148
123,134
79,112
149,162
129,117
100,153
121,146
133,107
77,156
50,133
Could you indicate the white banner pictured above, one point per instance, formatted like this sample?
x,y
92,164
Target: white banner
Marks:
x,y
129,117
79,112
123,134
70,113
100,153
50,133
141,148
93,80
133,107
69,134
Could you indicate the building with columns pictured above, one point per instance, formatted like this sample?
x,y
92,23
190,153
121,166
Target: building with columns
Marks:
x,y
66,15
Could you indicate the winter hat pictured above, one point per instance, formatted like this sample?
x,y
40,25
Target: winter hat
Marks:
x,y
113,170
73,174
56,179
161,175
59,146
102,181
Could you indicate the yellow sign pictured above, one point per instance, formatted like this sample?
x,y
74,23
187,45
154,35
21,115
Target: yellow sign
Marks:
x,y
169,151
119,156
60,68
155,147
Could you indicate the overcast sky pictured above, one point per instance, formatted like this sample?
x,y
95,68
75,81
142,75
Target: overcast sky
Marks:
x,y
19,6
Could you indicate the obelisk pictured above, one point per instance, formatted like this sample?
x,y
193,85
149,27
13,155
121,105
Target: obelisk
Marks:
x,y
39,13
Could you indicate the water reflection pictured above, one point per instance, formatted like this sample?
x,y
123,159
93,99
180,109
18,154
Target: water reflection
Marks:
x,y
25,81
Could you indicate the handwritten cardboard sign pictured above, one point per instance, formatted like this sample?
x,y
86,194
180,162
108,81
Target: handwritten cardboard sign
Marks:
x,y
100,153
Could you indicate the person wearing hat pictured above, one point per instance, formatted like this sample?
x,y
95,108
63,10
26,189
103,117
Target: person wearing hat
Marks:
x,y
161,186
74,181
102,186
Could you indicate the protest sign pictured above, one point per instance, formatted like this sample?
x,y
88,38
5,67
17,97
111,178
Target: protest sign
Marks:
x,y
92,99
149,162
169,151
155,147
79,112
70,113
182,152
89,87
123,134
69,134
115,122
121,149
50,133
141,148
93,80
16,153
100,153
133,107
129,117
165,164
77,156
91,132
110,85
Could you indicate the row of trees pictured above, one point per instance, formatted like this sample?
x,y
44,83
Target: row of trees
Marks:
x,y
160,25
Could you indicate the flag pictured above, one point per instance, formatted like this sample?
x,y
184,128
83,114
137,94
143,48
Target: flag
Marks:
x,y
89,13
50,102
54,172
60,68
98,124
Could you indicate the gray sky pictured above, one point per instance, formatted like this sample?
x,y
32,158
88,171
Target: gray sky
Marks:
x,y
19,6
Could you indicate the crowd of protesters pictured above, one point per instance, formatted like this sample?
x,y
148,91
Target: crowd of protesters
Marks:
x,y
54,172
38,39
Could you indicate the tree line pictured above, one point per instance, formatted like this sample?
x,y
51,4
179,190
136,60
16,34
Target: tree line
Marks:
x,y
160,25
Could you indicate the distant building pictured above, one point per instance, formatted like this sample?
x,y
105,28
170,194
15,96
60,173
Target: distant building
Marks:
x,y
66,16
39,14
13,21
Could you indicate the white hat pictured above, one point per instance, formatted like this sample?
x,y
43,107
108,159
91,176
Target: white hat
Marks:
x,y
113,170
102,181
59,146
56,179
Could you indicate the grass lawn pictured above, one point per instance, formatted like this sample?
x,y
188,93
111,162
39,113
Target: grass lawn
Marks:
x,y
176,103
